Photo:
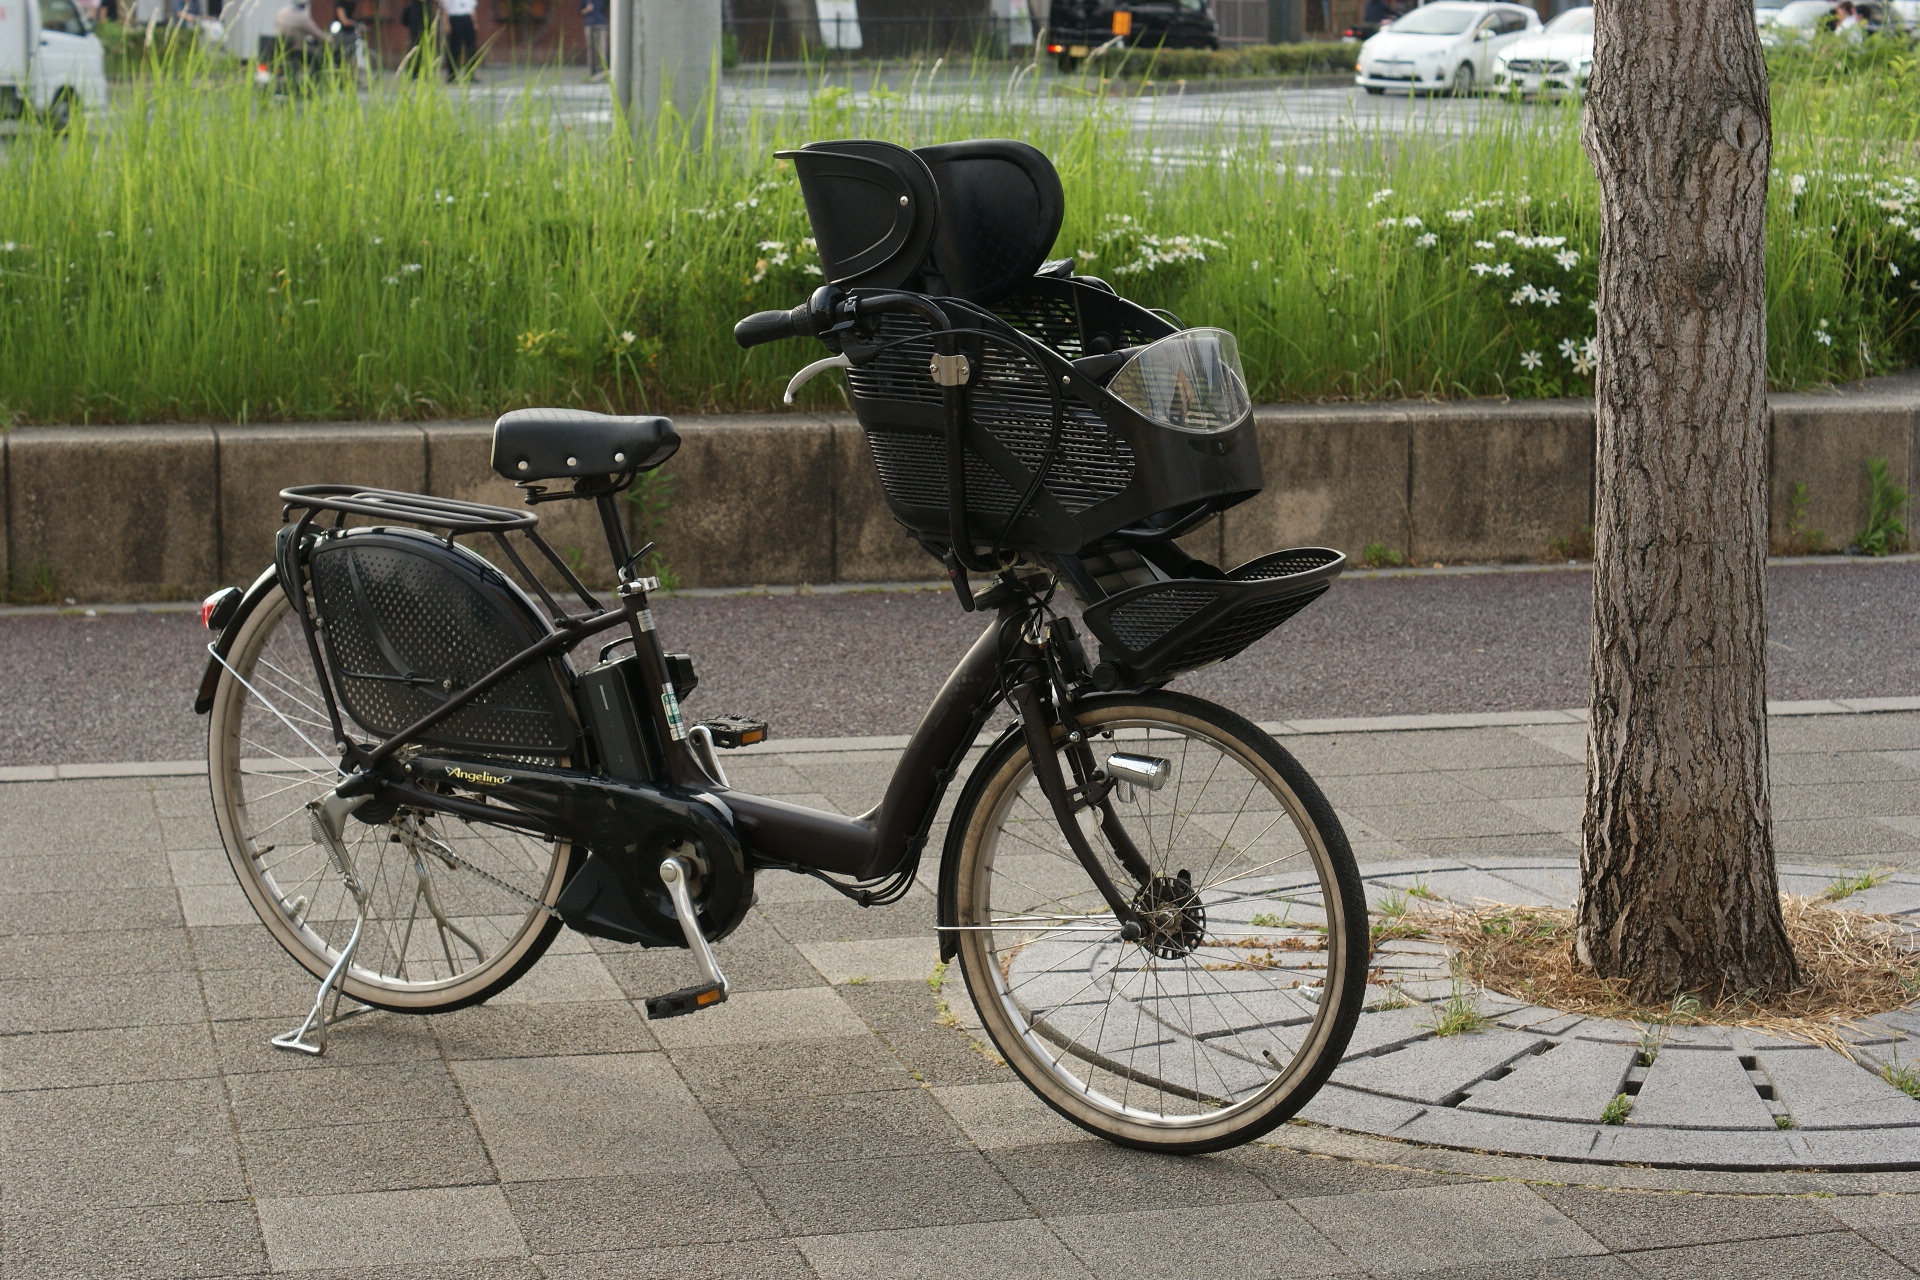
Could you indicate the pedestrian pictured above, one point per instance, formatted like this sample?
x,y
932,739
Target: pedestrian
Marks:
x,y
463,42
593,19
413,17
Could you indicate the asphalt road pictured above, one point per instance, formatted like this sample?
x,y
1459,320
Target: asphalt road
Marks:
x,y
118,687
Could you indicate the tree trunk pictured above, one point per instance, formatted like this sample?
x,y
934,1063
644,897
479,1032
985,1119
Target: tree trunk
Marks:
x,y
1678,887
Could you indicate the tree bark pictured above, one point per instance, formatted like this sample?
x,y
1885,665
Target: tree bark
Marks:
x,y
1678,887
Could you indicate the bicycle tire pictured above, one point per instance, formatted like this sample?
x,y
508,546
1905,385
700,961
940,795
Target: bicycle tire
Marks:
x,y
1047,970
485,888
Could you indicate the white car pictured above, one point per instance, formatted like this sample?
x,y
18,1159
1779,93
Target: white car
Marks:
x,y
1558,59
51,64
1447,45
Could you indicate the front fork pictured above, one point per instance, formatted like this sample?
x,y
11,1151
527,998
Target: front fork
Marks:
x,y
1038,690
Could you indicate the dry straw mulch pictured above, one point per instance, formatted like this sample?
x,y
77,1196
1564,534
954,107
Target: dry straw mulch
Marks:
x,y
1854,965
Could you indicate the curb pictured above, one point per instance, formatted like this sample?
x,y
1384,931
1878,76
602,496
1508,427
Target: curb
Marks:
x,y
897,742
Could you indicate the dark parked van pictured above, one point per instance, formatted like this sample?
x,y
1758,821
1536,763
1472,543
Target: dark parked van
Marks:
x,y
1076,28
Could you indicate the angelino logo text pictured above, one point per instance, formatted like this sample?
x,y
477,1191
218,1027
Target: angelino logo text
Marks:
x,y
480,778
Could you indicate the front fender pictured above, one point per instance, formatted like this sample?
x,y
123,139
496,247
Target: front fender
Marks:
x,y
262,586
947,914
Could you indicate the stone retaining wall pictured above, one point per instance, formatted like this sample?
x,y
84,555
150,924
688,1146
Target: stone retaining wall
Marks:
x,y
110,514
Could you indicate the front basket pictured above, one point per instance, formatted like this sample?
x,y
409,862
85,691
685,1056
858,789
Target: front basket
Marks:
x,y
1166,627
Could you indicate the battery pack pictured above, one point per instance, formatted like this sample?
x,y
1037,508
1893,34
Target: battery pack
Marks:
x,y
610,693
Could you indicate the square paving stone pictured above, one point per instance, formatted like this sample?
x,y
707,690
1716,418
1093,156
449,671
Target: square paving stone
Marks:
x,y
394,1155
1386,1231
1574,1080
1821,1257
548,1030
1336,754
1626,1220
166,1142
746,1260
1435,1070
586,1215
932,1190
1001,1250
444,1225
851,1126
215,904
283,991
842,921
762,1017
1821,1089
1533,1269
561,978
72,957
235,946
1262,1241
343,1095
126,872
89,1002
1490,748
1902,1243
791,1069
1699,1089
585,1116
996,1117
1460,820
245,1046
473,1269
174,1242
66,1059
1295,1175
1864,1212
873,959
81,911
754,957
1098,1177
1533,782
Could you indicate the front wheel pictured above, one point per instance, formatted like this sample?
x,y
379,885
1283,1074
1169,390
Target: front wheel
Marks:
x,y
1236,1003
458,909
1463,81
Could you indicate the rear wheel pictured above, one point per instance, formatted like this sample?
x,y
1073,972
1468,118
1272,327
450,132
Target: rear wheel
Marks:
x,y
458,909
1232,1009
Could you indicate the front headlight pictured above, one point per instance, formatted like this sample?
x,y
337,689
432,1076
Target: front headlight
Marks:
x,y
1190,381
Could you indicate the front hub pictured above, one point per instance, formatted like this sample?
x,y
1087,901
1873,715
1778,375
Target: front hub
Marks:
x,y
1172,919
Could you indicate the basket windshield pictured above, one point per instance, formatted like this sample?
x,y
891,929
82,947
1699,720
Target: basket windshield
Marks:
x,y
1190,381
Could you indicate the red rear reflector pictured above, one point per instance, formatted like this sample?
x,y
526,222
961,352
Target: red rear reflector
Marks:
x,y
1056,48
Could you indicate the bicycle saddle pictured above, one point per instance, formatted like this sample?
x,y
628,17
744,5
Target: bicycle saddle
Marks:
x,y
548,444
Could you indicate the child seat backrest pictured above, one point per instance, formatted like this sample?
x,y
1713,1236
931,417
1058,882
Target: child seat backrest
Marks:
x,y
970,220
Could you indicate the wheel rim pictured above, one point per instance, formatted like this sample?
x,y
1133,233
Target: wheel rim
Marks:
x,y
1223,1004
453,907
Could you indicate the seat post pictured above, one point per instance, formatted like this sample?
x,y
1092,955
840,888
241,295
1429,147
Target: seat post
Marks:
x,y
616,530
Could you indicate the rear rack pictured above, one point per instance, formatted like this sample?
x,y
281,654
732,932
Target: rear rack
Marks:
x,y
407,508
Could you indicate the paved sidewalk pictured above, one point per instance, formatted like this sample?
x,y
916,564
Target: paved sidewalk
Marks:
x,y
822,1123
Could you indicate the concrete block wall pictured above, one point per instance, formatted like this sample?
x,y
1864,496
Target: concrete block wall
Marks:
x,y
111,514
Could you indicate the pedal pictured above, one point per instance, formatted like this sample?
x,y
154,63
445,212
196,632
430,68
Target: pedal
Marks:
x,y
685,1000
730,732
705,995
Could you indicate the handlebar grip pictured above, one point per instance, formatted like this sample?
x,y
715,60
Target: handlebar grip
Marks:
x,y
771,326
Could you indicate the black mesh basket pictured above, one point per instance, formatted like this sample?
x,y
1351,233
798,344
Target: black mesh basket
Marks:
x,y
970,224
409,620
1166,627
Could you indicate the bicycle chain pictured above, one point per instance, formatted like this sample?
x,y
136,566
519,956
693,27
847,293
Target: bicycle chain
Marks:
x,y
443,852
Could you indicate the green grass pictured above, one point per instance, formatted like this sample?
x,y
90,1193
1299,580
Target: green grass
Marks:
x,y
1460,1015
1846,886
207,255
1617,1111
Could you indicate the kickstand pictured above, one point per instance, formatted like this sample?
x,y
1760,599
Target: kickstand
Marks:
x,y
329,818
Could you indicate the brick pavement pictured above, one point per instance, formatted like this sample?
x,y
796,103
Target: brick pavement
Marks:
x,y
824,1122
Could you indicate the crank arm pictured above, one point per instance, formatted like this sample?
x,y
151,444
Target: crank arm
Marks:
x,y
1053,784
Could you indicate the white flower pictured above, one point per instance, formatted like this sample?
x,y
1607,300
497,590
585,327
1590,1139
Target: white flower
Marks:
x,y
1549,297
1504,235
770,246
1460,215
1480,268
1530,360
1429,240
1569,349
1893,268
1384,193
1590,349
1483,244
629,337
1504,270
391,280
1797,183
1567,258
1896,221
1524,293
1411,222
7,246
409,268
1823,338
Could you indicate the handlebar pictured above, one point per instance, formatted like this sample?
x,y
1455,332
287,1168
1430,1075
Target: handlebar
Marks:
x,y
771,326
832,310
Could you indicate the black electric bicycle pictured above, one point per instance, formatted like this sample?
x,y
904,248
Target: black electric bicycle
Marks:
x,y
423,763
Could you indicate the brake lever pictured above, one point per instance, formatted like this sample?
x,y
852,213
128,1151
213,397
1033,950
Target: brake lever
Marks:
x,y
807,374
